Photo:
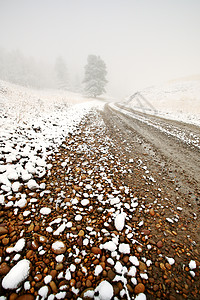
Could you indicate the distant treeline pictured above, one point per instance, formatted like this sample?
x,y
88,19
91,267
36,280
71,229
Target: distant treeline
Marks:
x,y
27,71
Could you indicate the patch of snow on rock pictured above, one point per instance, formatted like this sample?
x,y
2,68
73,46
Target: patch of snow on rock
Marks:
x,y
105,290
192,265
124,248
120,221
45,210
16,275
109,246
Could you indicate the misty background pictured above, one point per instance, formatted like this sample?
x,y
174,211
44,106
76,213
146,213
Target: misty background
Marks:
x,y
142,43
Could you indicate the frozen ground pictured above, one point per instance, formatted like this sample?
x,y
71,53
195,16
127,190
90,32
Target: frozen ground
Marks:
x,y
176,100
83,198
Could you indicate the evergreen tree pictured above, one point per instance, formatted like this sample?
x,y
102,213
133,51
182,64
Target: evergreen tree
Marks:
x,y
95,73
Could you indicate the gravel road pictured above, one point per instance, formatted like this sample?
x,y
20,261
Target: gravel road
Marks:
x,y
120,205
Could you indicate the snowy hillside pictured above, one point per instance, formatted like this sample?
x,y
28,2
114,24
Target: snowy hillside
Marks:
x,y
178,100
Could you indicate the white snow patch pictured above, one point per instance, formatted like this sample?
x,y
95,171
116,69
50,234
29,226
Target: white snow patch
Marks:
x,y
134,260
192,265
16,275
45,210
98,270
124,248
109,246
170,260
141,296
20,244
105,290
120,221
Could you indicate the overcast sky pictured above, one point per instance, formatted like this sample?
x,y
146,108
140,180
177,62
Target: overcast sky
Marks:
x,y
143,42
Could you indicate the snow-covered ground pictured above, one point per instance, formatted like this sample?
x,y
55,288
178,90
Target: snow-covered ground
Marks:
x,y
33,124
176,100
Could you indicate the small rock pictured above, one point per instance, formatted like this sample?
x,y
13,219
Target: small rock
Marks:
x,y
129,287
3,230
155,287
53,287
168,266
146,232
80,241
159,244
140,288
53,273
111,274
42,239
125,259
81,233
58,247
5,241
4,268
88,283
29,254
13,296
38,277
162,266
142,266
59,267
96,250
152,212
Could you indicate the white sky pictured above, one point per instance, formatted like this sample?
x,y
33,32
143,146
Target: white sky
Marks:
x,y
142,42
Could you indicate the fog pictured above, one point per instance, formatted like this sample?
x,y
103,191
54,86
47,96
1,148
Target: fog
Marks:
x,y
142,42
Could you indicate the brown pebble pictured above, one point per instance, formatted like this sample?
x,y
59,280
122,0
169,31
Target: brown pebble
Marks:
x,y
120,285
111,274
140,288
13,296
59,267
116,290
3,230
125,259
152,212
38,277
29,254
88,283
162,266
30,228
81,233
53,287
53,273
142,266
96,262
34,245
96,250
168,266
159,244
4,268
42,239
129,287
78,285
146,232
155,287
72,282
5,241
80,241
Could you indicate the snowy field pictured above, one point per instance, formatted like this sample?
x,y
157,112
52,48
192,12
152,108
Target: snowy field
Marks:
x,y
176,100
33,124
